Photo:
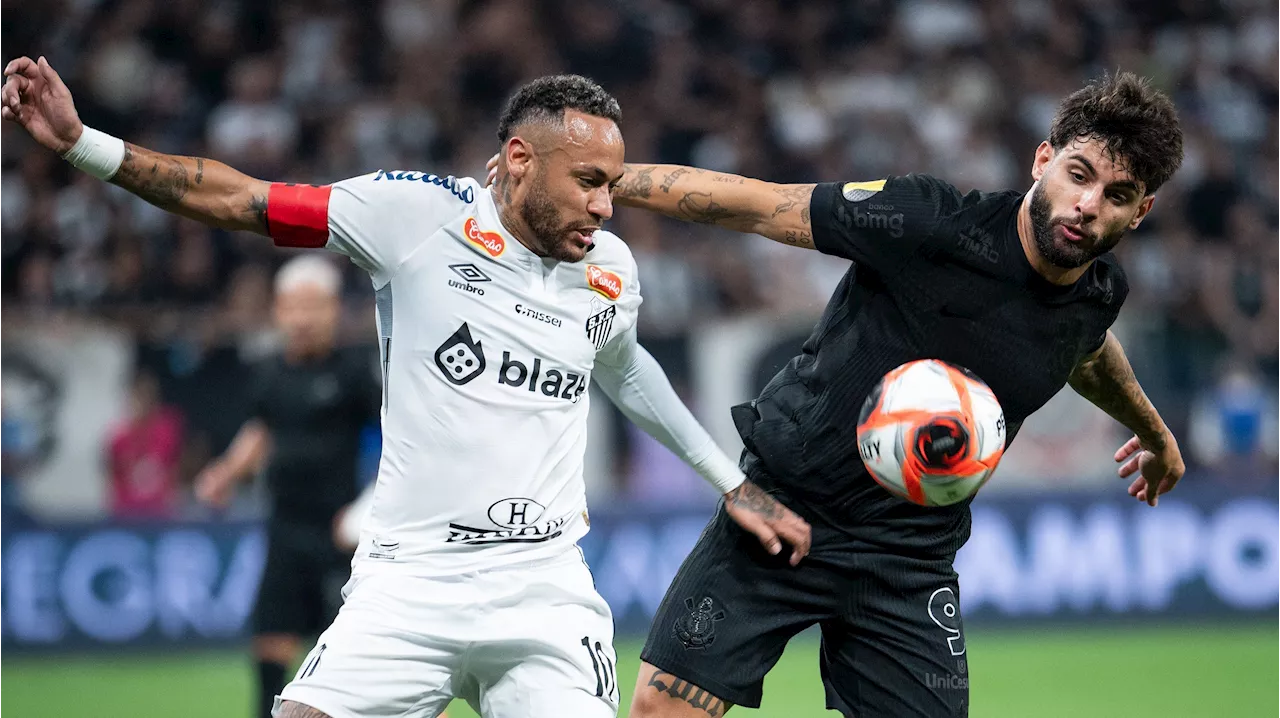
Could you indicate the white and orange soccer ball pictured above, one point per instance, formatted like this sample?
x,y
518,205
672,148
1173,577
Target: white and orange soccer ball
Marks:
x,y
931,432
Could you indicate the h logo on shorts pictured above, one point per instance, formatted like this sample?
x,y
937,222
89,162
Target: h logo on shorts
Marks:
x,y
698,629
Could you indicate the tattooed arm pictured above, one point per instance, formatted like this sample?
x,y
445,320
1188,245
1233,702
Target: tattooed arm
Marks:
x,y
200,189
35,97
1107,380
777,211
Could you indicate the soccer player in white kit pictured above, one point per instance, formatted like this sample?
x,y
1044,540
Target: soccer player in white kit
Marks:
x,y
495,308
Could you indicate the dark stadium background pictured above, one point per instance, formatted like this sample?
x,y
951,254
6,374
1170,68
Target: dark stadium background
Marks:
x,y
1078,601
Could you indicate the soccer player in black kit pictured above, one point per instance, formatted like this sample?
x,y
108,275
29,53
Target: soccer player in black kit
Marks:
x,y
1018,287
308,406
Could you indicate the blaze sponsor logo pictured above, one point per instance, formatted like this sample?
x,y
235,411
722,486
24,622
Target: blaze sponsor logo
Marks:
x,y
491,242
565,385
460,358
605,282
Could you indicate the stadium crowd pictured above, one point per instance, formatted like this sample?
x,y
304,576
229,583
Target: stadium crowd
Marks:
x,y
789,90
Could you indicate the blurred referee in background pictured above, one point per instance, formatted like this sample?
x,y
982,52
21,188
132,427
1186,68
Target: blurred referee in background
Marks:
x,y
307,409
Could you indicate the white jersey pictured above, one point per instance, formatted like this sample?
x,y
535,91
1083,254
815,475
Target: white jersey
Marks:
x,y
487,352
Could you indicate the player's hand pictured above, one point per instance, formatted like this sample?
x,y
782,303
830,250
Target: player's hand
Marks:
x,y
1158,469
492,167
215,485
771,522
35,97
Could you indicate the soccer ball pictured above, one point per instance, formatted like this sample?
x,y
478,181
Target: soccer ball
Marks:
x,y
931,432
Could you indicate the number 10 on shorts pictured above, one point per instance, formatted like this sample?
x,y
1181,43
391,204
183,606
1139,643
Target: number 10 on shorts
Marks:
x,y
606,677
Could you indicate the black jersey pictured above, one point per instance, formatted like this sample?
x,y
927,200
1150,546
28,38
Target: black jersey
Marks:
x,y
315,412
935,274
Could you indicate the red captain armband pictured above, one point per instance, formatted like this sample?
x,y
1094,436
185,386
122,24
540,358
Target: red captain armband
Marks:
x,y
298,214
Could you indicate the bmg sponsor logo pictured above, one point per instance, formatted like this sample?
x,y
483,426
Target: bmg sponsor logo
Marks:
x,y
868,218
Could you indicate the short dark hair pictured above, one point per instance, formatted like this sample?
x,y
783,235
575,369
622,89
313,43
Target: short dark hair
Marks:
x,y
547,98
1137,124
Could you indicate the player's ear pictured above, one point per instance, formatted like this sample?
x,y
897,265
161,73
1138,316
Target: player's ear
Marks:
x,y
1143,209
1044,154
519,156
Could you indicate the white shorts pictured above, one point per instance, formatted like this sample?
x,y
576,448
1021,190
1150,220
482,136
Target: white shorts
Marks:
x,y
531,640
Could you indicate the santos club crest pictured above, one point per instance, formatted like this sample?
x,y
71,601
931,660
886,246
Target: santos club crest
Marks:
x,y
600,323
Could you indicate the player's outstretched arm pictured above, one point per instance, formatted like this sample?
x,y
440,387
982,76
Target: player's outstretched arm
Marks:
x,y
777,211
636,384
35,97
1106,379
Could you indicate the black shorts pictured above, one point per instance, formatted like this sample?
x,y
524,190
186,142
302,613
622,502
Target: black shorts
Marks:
x,y
301,588
892,639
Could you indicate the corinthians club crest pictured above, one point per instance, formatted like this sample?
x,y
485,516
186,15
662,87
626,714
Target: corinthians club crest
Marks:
x,y
698,628
600,323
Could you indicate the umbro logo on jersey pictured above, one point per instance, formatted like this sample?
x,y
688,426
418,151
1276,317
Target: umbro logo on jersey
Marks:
x,y
460,357
491,242
470,273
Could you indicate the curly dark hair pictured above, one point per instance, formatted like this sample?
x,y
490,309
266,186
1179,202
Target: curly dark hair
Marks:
x,y
546,98
1137,124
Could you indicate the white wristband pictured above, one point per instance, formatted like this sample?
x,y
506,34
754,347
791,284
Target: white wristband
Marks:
x,y
720,471
96,153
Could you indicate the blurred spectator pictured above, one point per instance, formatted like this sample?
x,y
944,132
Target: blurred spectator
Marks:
x,y
144,454
1239,289
14,451
1234,428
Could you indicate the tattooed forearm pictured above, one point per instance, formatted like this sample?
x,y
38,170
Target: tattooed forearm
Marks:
x,y
635,183
798,239
791,196
700,207
194,187
753,498
686,692
256,214
159,179
742,204
671,178
1107,381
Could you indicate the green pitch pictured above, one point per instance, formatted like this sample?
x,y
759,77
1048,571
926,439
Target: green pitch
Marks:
x,y
1182,672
